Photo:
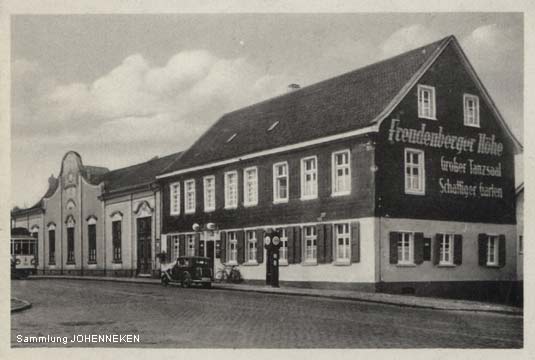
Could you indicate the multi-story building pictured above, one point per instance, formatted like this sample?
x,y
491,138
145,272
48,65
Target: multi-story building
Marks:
x,y
93,221
395,177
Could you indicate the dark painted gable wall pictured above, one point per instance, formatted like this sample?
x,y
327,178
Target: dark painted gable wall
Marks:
x,y
451,81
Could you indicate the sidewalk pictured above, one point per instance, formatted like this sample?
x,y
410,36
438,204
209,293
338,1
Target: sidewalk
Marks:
x,y
19,305
381,298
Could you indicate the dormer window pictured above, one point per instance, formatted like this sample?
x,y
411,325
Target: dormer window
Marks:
x,y
273,126
471,110
231,137
426,102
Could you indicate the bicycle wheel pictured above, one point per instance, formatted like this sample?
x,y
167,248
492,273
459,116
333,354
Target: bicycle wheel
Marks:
x,y
219,276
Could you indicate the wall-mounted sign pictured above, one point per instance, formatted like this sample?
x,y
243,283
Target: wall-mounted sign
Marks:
x,y
460,163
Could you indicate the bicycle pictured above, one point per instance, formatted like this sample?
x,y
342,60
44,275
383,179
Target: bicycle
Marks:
x,y
229,273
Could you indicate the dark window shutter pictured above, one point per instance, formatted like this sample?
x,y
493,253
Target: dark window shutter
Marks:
x,y
394,238
457,249
223,252
290,244
482,248
320,233
260,245
240,235
501,251
355,242
198,244
436,248
418,248
169,248
297,244
328,243
181,246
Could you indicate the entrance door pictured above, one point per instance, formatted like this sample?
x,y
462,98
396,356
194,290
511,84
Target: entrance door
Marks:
x,y
144,245
210,253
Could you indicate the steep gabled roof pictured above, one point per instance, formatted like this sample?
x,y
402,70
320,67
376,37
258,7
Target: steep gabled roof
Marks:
x,y
349,104
344,103
136,175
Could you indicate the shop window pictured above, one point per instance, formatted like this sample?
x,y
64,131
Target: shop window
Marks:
x,y
189,194
280,182
250,254
174,198
250,186
426,102
231,190
414,172
209,193
309,178
471,110
343,243
117,240
232,251
341,173
310,239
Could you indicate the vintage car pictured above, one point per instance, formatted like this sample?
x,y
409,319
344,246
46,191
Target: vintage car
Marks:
x,y
187,271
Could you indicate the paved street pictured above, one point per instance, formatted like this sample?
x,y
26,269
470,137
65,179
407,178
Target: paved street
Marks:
x,y
197,318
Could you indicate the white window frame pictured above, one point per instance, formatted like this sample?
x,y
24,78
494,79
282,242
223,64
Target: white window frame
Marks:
x,y
231,203
283,252
406,238
471,118
346,247
250,255
493,251
247,201
174,210
187,193
276,188
446,258
423,112
314,176
232,248
310,256
421,172
335,167
190,244
209,206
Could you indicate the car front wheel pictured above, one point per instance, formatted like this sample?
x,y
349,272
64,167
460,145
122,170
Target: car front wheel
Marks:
x,y
186,281
165,281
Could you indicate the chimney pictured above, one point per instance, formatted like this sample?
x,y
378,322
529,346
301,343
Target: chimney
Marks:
x,y
51,181
293,87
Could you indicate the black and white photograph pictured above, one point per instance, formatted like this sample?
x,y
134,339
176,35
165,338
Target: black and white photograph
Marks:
x,y
266,180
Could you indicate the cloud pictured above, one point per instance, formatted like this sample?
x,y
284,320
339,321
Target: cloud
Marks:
x,y
408,38
192,85
489,45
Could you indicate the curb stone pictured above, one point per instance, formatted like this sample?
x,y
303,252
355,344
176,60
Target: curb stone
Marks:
x,y
20,306
387,299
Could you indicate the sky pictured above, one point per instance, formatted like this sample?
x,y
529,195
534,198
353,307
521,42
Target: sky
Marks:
x,y
121,89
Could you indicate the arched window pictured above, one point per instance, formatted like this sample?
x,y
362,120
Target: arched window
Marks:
x,y
92,239
51,244
116,233
70,239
